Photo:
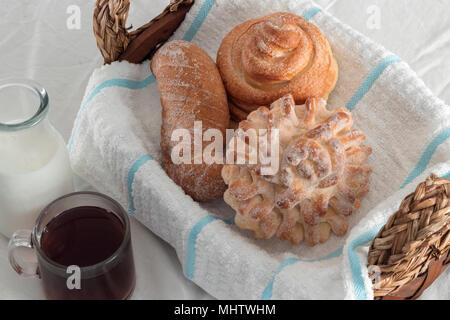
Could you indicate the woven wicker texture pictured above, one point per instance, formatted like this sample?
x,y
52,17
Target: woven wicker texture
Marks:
x,y
110,30
411,250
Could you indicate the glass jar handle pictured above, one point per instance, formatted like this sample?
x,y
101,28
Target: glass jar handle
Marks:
x,y
21,240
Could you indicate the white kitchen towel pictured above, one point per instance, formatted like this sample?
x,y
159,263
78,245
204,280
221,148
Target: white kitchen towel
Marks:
x,y
115,146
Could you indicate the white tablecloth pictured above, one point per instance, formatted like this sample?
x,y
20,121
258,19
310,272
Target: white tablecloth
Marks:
x,y
36,43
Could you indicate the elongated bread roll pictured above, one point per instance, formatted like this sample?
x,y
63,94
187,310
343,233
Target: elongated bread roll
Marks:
x,y
191,90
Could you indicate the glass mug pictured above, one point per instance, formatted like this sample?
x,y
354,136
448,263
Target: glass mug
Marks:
x,y
82,243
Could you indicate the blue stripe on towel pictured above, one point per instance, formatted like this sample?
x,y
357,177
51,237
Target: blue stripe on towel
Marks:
x,y
426,156
370,80
130,179
198,20
123,83
308,15
446,176
192,240
267,294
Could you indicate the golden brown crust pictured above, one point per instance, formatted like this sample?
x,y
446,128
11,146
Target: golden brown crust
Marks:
x,y
191,90
264,59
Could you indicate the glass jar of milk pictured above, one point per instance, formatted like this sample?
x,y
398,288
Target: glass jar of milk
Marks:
x,y
34,162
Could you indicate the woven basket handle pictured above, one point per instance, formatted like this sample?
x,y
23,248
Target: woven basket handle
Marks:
x,y
114,40
413,248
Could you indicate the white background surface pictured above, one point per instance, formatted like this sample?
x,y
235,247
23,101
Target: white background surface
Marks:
x,y
36,43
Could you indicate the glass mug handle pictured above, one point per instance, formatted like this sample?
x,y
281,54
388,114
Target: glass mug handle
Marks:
x,y
21,239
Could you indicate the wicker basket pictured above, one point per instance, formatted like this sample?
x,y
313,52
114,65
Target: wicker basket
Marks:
x,y
410,251
413,248
116,42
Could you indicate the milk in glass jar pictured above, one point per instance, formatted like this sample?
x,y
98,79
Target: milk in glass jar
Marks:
x,y
34,162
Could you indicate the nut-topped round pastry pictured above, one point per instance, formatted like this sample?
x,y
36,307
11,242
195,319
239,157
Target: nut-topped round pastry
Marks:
x,y
264,59
322,172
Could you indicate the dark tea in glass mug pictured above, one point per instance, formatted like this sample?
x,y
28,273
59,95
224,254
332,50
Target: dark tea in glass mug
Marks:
x,y
82,242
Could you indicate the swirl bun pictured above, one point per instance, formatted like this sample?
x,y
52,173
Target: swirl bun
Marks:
x,y
263,59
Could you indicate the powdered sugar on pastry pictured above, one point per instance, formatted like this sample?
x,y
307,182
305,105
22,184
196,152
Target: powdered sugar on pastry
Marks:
x,y
191,90
322,174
